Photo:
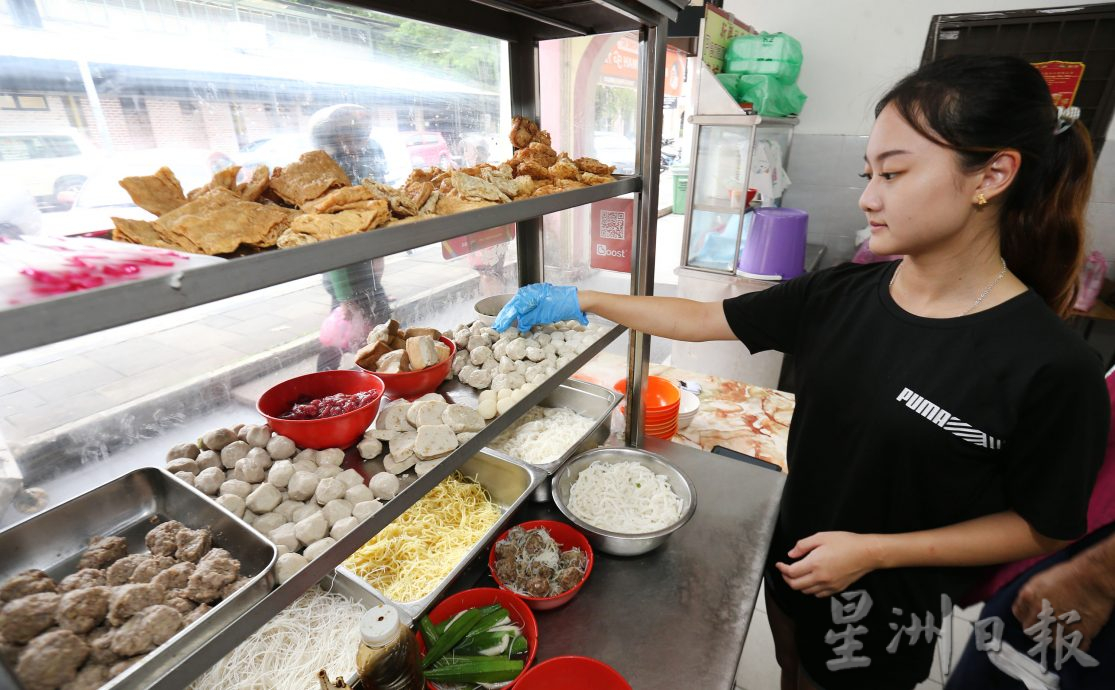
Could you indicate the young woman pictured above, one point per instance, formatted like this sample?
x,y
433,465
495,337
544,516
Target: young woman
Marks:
x,y
947,418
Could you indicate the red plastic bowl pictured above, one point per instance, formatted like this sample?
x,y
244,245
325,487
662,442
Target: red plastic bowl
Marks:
x,y
572,673
413,384
659,395
332,432
566,538
486,596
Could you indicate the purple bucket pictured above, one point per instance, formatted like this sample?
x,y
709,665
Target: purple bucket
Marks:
x,y
775,244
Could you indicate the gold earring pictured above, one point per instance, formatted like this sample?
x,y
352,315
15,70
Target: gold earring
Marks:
x,y
981,200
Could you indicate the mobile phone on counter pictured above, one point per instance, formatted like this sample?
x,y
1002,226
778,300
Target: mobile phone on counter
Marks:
x,y
736,455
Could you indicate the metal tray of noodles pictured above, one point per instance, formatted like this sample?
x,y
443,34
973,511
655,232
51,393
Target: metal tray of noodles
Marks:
x,y
130,506
508,483
586,399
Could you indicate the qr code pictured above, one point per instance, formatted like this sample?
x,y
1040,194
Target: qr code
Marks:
x,y
611,225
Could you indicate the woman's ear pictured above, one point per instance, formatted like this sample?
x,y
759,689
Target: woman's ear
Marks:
x,y
999,173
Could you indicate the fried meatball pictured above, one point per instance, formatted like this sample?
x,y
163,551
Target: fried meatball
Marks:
x,y
100,647
90,677
506,571
193,544
574,558
26,617
103,552
83,609
163,540
127,600
541,570
121,666
217,569
198,612
87,577
27,582
146,630
567,579
120,572
51,660
505,549
538,587
148,569
177,600
534,543
9,653
233,587
176,576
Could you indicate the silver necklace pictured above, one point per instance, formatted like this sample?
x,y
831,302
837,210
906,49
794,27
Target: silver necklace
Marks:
x,y
986,291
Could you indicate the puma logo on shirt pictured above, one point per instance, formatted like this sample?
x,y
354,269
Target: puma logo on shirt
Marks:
x,y
947,421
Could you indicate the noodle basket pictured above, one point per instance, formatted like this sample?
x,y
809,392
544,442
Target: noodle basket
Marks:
x,y
616,543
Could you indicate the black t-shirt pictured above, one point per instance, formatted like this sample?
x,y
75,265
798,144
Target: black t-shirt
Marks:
x,y
905,423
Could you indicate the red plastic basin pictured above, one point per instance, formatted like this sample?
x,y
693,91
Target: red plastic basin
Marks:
x,y
566,537
572,673
331,432
414,384
486,596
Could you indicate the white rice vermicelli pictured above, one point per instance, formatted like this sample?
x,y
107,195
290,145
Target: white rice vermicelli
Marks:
x,y
624,497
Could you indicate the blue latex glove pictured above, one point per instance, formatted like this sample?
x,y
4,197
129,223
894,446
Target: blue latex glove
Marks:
x,y
540,303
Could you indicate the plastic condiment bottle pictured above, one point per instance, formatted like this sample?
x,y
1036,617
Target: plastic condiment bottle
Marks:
x,y
388,654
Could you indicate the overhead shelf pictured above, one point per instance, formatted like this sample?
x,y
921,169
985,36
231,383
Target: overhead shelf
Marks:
x,y
69,316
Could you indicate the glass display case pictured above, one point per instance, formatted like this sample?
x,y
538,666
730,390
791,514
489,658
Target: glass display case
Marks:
x,y
731,168
98,382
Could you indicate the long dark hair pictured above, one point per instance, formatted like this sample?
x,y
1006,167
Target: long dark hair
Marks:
x,y
981,105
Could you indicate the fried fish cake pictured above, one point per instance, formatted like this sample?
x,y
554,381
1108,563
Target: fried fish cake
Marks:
x,y
312,175
158,193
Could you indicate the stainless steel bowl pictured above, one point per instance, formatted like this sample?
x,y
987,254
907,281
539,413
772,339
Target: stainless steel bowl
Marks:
x,y
613,542
488,308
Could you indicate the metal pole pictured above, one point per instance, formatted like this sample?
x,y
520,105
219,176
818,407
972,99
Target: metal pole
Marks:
x,y
95,103
652,74
523,71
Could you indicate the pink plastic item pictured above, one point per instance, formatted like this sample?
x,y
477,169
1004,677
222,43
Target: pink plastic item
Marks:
x,y
344,328
1091,280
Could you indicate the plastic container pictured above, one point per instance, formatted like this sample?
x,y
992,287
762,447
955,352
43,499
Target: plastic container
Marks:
x,y
331,432
387,658
486,596
567,538
681,186
413,384
777,55
658,393
775,244
572,673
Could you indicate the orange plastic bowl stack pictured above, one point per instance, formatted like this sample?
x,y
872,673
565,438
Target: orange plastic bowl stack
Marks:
x,y
414,384
340,431
486,596
661,403
572,673
566,538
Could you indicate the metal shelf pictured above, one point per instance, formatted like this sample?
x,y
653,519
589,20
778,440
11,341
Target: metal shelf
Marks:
x,y
94,310
221,642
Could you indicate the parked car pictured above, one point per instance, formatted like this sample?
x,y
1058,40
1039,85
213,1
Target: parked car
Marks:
x,y
427,149
49,165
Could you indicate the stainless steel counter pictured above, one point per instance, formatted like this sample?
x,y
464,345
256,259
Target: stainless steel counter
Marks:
x,y
676,617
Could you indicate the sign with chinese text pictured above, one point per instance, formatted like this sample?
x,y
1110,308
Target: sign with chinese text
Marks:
x,y
720,28
1063,79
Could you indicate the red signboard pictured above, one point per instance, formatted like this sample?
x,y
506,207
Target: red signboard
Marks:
x,y
1063,79
467,244
613,227
621,66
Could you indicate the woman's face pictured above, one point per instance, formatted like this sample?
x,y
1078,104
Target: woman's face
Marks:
x,y
917,199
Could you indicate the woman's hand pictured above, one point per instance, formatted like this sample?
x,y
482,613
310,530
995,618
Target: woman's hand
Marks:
x,y
830,562
1067,586
540,303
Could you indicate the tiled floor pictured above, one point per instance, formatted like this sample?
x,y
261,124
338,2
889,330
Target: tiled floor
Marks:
x,y
758,669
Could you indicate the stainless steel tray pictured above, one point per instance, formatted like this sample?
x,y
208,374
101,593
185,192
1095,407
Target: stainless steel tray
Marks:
x,y
587,399
130,506
508,483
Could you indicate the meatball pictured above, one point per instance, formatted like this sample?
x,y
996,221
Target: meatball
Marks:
x,y
540,570
120,572
90,677
121,666
87,577
148,569
538,587
232,588
534,543
51,660
178,601
567,579
574,558
198,612
83,609
176,576
163,540
26,617
505,549
193,544
103,552
27,582
146,630
217,569
505,571
128,600
9,653
100,647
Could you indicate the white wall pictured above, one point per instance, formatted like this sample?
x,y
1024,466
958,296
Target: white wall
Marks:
x,y
855,49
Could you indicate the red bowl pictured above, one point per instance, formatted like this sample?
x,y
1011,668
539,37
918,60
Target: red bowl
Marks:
x,y
659,394
566,538
414,384
486,596
572,673
332,432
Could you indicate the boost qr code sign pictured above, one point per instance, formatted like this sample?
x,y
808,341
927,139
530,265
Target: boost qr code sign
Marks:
x,y
612,232
612,225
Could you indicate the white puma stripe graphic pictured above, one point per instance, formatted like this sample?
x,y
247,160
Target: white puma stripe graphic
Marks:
x,y
947,421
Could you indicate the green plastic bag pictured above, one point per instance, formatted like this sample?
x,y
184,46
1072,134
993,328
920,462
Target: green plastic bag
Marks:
x,y
769,96
730,82
777,55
